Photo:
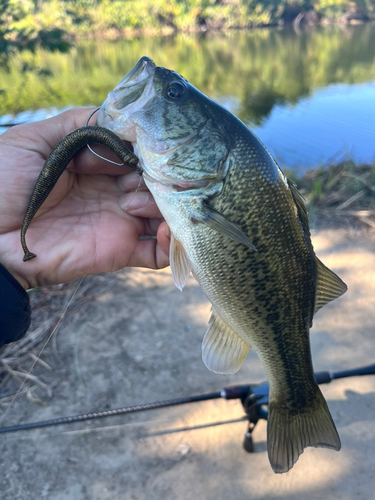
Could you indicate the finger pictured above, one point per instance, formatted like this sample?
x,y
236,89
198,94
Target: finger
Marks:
x,y
131,182
148,253
43,135
153,253
151,226
163,237
141,204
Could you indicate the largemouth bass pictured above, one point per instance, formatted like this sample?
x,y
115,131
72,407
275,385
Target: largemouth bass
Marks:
x,y
241,227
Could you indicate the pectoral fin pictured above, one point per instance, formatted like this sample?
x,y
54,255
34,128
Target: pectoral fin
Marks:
x,y
219,223
180,263
329,286
223,350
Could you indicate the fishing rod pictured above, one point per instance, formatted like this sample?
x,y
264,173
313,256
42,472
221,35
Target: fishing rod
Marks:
x,y
253,398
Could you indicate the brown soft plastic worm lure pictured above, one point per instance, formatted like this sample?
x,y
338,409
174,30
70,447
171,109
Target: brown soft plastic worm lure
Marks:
x,y
59,159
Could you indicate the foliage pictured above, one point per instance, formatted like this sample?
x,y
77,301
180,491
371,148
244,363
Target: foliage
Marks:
x,y
332,8
20,28
24,19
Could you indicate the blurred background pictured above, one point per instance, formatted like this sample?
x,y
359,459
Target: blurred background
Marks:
x,y
303,78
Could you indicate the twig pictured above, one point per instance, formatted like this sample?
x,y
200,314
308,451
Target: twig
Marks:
x,y
351,200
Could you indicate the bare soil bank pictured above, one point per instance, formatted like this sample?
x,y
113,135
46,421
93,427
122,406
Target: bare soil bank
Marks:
x,y
131,338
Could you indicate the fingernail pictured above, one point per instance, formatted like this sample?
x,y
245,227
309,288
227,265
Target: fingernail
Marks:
x,y
134,201
129,182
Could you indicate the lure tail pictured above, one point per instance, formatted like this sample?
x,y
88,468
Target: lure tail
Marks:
x,y
290,432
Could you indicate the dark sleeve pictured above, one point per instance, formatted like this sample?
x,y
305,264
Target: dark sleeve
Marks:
x,y
15,311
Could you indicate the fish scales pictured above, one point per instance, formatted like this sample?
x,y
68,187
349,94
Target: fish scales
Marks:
x,y
258,294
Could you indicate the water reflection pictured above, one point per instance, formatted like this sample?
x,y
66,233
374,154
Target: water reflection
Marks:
x,y
259,74
337,122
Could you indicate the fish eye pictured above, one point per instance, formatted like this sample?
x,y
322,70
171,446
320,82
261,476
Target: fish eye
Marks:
x,y
176,90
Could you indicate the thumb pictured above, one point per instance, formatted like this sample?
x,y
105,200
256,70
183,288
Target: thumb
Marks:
x,y
163,237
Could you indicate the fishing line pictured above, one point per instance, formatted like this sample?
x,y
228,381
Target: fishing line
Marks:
x,y
135,192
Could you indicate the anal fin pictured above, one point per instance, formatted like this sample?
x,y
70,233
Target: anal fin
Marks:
x,y
223,350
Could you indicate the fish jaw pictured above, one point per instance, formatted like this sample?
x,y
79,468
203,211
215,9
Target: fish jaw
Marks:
x,y
134,92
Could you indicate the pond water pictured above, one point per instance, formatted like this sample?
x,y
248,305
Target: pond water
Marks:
x,y
309,96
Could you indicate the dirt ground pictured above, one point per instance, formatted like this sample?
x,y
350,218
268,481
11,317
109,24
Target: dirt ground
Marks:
x,y
139,341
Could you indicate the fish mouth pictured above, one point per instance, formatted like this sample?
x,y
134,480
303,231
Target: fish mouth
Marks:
x,y
144,65
135,91
133,84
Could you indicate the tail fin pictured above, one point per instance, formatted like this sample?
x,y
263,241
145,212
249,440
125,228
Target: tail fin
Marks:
x,y
290,432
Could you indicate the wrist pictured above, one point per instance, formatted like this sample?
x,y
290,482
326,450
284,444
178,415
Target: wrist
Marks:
x,y
24,283
18,277
15,311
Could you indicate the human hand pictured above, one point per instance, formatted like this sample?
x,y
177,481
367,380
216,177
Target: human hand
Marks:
x,y
81,228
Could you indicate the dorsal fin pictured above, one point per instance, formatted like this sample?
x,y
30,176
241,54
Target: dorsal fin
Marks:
x,y
328,287
299,200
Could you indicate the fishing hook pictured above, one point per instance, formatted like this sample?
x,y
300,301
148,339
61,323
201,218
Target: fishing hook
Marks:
x,y
92,151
